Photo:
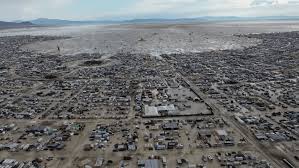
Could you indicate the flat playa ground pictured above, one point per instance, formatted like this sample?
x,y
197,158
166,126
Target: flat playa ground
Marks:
x,y
153,39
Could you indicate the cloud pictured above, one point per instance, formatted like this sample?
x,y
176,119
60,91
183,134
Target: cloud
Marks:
x,y
145,6
264,2
212,7
75,9
182,8
274,2
154,6
24,9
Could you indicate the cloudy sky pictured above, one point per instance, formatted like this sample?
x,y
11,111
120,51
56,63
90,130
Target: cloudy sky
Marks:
x,y
129,9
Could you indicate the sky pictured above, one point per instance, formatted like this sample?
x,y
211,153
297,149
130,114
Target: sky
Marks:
x,y
137,9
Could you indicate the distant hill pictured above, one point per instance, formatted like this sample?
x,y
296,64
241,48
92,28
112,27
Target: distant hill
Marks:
x,y
45,21
59,22
198,19
10,25
278,18
213,18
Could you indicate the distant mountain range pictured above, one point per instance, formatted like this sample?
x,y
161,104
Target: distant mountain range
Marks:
x,y
10,25
214,18
59,22
47,22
